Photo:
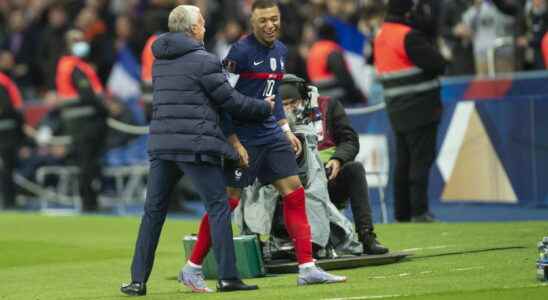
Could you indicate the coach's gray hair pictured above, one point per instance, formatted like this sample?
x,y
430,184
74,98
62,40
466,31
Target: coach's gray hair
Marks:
x,y
182,18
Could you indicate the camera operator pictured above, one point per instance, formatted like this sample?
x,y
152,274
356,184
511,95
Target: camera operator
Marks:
x,y
338,144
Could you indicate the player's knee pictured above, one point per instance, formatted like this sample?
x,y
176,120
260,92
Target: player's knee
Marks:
x,y
288,185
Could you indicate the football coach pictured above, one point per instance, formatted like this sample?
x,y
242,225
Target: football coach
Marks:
x,y
189,92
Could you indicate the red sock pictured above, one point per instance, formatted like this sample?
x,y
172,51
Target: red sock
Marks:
x,y
296,223
203,244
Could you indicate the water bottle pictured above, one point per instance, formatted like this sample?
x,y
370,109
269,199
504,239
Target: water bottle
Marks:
x,y
542,263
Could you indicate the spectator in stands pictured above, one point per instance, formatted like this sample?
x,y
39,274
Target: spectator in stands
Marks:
x,y
11,134
52,42
231,33
96,34
491,32
456,38
20,44
328,70
536,19
338,146
82,114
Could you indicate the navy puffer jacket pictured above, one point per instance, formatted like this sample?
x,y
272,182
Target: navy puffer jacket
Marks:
x,y
189,91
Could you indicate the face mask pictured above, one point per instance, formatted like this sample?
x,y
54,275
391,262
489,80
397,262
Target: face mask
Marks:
x,y
80,49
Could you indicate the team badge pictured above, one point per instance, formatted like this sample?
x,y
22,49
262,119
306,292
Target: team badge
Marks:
x,y
273,64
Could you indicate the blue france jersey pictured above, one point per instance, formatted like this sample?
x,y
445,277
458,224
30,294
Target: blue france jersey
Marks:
x,y
260,70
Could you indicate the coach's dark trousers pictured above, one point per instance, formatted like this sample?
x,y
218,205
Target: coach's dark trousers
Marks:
x,y
210,183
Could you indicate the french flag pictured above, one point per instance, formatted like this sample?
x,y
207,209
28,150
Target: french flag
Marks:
x,y
124,81
355,44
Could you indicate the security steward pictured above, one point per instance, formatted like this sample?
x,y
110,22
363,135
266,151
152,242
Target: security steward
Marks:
x,y
408,67
83,115
328,69
11,135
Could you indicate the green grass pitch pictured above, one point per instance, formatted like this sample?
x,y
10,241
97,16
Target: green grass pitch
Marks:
x,y
88,257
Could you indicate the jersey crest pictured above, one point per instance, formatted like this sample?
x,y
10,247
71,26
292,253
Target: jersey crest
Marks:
x,y
273,64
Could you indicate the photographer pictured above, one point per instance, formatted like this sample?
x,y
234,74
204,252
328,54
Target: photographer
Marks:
x,y
338,144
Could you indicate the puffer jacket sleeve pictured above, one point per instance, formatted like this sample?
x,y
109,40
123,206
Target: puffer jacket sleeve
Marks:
x,y
221,94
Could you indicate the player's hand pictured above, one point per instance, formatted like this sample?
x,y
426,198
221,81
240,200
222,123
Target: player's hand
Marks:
x,y
335,166
295,143
270,101
243,156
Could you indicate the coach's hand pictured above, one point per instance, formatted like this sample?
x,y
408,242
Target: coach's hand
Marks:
x,y
295,142
271,101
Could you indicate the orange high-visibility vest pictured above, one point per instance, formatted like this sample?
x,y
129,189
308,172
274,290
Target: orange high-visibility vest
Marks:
x,y
316,64
13,91
147,59
545,49
389,49
63,80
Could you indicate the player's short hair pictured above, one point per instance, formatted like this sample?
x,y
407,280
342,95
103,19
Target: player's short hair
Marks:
x,y
260,4
182,18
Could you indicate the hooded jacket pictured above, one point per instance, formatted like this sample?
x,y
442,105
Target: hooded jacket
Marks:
x,y
189,91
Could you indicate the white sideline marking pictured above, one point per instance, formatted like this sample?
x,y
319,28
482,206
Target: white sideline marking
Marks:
x,y
364,297
469,269
399,275
425,248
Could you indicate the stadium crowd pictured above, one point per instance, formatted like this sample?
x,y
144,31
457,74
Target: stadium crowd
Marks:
x,y
32,32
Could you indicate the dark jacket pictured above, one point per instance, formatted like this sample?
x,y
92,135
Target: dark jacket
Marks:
x,y
11,122
189,90
412,110
339,131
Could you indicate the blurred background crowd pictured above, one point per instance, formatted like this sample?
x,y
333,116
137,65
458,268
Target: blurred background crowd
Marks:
x,y
475,36
32,32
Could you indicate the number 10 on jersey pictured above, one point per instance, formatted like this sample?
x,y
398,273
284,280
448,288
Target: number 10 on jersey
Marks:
x,y
269,88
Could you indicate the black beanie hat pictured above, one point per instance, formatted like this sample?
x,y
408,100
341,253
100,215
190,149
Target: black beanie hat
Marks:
x,y
399,7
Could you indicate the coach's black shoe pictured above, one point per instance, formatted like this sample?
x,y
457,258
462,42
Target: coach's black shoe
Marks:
x,y
134,289
230,285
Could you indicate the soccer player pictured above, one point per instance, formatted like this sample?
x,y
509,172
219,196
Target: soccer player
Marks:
x,y
267,149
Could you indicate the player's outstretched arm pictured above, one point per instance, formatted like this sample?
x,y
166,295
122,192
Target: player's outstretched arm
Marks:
x,y
226,97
